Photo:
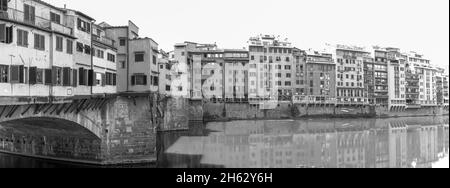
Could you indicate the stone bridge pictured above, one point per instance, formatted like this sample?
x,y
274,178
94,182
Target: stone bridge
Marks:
x,y
114,129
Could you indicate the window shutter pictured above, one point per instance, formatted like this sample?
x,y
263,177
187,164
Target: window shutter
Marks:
x,y
90,77
2,33
66,76
9,35
25,38
104,79
32,75
48,76
81,76
145,80
19,37
32,14
54,78
21,79
133,80
75,76
79,23
114,79
42,38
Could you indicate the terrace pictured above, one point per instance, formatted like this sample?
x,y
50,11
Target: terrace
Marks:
x,y
34,21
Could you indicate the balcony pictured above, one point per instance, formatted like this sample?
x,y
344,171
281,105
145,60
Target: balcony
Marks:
x,y
104,40
19,17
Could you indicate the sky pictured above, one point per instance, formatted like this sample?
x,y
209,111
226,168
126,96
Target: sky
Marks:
x,y
412,25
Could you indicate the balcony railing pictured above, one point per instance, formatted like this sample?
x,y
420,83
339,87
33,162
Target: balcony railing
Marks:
x,y
19,16
104,40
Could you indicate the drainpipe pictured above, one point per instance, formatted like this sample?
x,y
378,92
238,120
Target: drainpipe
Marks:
x,y
92,62
128,58
51,68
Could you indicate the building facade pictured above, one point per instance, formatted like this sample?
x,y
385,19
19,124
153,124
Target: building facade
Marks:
x,y
350,74
104,53
39,57
137,59
272,68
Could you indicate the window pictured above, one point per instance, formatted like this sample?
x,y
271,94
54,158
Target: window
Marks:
x,y
139,79
80,47
84,26
167,88
122,42
154,60
4,71
87,49
39,42
69,46
101,54
287,67
22,38
59,43
288,75
17,74
122,63
3,5
111,58
29,14
56,18
139,57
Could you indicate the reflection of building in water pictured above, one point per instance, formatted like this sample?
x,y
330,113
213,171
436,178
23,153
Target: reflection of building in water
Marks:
x,y
397,145
428,144
309,143
352,149
377,149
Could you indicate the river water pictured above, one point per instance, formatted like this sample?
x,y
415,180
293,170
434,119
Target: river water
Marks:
x,y
416,142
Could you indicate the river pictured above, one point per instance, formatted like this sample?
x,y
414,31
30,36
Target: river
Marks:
x,y
416,142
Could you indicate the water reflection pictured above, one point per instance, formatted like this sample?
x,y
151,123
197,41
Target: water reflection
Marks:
x,y
351,143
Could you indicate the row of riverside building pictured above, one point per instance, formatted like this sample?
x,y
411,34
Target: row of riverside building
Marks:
x,y
52,52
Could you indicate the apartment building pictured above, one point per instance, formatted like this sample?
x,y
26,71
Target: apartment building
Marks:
x,y
272,68
37,50
104,52
379,67
236,65
320,78
137,59
300,58
396,78
165,73
427,78
350,74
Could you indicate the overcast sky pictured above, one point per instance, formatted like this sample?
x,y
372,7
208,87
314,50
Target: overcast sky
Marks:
x,y
413,25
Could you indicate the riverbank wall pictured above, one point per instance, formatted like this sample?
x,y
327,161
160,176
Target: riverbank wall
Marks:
x,y
244,111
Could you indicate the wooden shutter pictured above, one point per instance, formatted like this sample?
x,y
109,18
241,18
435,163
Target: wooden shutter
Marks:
x,y
145,80
48,76
2,33
81,76
91,77
133,80
32,14
75,76
19,37
25,38
54,75
32,75
104,77
66,76
21,74
114,79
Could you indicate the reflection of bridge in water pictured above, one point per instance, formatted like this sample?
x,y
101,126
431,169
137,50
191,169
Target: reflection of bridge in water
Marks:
x,y
354,143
